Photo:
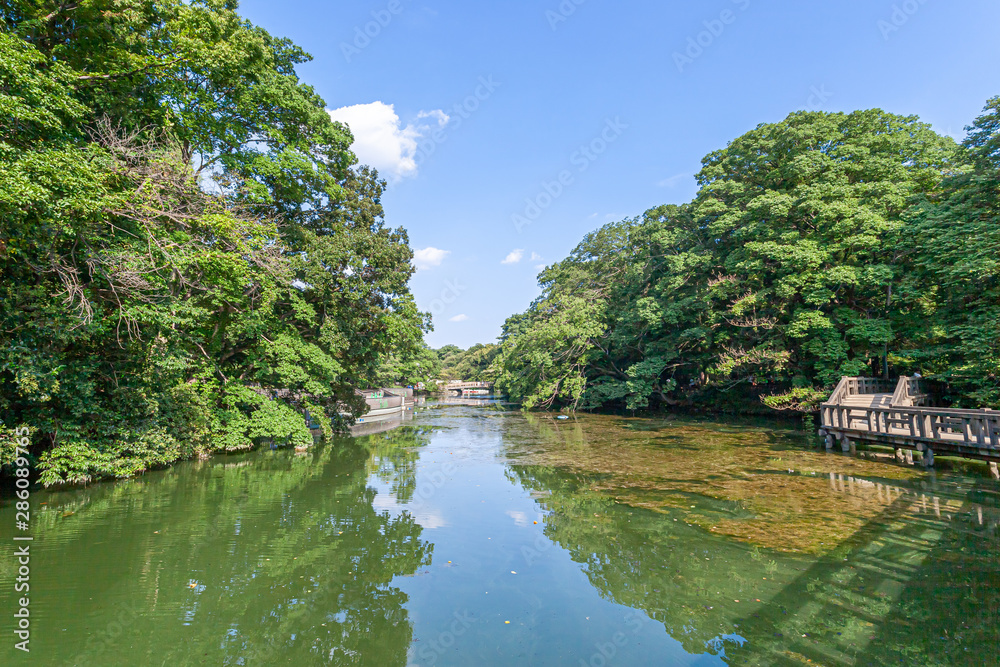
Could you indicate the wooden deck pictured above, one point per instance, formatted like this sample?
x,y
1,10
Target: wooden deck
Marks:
x,y
863,409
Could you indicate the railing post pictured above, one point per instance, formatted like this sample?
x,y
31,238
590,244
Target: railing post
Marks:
x,y
982,427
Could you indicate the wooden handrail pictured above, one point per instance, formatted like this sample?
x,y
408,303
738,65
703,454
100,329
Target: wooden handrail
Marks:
x,y
980,428
908,392
855,386
924,410
840,391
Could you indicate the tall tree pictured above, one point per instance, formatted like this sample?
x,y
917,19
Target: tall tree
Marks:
x,y
952,296
190,255
781,274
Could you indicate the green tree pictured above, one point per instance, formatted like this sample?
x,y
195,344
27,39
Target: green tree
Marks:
x,y
780,276
190,255
951,300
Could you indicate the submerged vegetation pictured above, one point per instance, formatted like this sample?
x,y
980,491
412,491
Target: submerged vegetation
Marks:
x,y
826,245
190,255
736,538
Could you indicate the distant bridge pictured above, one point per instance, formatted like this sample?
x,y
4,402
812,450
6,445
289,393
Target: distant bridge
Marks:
x,y
468,388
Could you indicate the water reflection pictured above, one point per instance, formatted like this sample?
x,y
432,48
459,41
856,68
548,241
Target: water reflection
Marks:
x,y
744,541
481,401
263,559
593,540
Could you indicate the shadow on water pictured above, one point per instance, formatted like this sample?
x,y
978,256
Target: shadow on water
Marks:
x,y
917,584
769,553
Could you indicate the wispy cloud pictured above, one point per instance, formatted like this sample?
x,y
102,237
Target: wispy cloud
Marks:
x,y
535,257
459,318
381,140
427,258
441,117
514,257
672,181
520,518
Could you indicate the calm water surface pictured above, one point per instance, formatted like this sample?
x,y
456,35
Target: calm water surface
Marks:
x,y
476,535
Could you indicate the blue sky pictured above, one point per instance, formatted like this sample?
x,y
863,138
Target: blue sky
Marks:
x,y
474,111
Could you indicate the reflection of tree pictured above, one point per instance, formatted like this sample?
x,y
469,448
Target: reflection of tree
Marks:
x,y
679,575
906,586
282,561
393,459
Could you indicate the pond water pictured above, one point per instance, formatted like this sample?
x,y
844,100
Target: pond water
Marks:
x,y
477,535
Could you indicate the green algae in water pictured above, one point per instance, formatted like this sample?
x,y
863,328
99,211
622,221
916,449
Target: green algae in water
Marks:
x,y
654,541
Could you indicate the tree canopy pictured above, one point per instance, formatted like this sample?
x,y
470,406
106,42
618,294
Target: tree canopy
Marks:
x,y
190,254
826,245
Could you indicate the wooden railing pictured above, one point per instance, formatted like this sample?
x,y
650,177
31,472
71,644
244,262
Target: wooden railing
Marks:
x,y
908,392
972,428
852,386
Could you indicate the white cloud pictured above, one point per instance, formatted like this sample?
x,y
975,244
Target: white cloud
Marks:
x,y
380,140
459,318
535,257
428,519
442,117
672,181
427,258
520,518
514,257
539,267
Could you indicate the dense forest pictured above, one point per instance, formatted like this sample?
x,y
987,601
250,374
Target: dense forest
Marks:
x,y
191,257
471,365
424,364
826,245
190,254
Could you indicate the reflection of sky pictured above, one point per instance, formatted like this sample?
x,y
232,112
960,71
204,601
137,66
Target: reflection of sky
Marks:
x,y
492,561
427,516
520,518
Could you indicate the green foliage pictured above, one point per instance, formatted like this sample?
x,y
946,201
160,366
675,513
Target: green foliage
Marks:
x,y
79,461
817,247
186,244
408,369
801,399
951,301
472,365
